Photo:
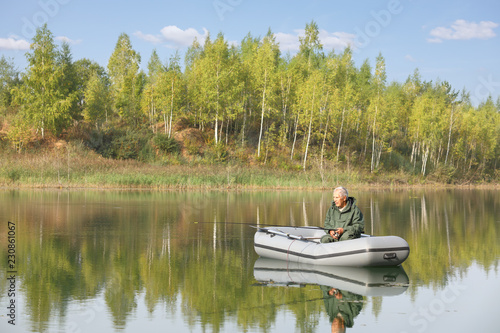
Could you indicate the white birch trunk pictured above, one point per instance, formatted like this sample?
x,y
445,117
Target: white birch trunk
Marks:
x,y
294,136
340,134
449,137
262,114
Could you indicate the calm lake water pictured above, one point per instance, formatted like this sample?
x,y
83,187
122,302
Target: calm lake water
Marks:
x,y
137,261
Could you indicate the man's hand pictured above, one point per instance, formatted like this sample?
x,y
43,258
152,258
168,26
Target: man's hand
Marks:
x,y
335,292
336,233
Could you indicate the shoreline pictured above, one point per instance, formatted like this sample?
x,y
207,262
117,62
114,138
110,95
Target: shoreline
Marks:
x,y
249,188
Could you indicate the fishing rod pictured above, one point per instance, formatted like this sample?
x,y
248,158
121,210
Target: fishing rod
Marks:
x,y
258,225
242,223
259,307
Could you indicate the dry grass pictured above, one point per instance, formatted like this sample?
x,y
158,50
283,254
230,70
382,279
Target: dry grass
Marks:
x,y
68,165
74,166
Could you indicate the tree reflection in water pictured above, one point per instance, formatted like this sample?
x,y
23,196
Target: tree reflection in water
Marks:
x,y
128,247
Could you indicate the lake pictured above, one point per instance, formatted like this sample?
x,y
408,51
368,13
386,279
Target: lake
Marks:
x,y
183,261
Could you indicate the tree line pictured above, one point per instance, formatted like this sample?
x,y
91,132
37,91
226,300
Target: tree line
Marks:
x,y
311,108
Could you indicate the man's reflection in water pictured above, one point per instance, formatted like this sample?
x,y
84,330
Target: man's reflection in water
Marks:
x,y
342,307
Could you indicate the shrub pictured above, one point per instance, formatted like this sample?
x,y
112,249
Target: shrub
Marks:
x,y
129,146
118,144
102,141
14,175
165,144
217,152
192,146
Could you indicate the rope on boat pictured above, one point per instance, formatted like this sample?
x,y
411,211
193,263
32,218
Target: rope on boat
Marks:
x,y
287,260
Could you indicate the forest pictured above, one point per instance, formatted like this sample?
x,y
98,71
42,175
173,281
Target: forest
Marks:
x,y
248,105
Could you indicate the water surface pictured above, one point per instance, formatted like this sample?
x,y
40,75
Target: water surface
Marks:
x,y
137,261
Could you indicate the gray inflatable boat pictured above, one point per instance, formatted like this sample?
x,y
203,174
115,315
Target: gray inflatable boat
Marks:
x,y
302,245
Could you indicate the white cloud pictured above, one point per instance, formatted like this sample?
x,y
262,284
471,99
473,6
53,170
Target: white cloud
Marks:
x,y
330,40
463,30
336,40
410,58
182,37
434,40
13,43
288,42
68,40
174,37
148,37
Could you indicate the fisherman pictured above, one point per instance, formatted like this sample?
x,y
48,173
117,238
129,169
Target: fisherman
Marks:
x,y
342,307
344,219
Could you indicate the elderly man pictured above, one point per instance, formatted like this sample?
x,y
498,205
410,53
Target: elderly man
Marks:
x,y
343,220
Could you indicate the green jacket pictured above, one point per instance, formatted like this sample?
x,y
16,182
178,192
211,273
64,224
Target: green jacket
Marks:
x,y
349,306
350,219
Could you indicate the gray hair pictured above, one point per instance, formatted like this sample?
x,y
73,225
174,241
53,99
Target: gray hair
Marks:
x,y
342,190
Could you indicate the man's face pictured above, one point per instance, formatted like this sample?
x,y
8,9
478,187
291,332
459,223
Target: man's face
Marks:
x,y
339,200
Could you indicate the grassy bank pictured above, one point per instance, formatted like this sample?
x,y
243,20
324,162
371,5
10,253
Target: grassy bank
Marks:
x,y
75,166
89,170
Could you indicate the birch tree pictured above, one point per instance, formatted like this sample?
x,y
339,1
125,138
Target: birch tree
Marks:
x,y
193,79
248,50
264,68
97,100
45,105
345,77
377,102
123,69
214,73
171,90
310,58
312,102
151,95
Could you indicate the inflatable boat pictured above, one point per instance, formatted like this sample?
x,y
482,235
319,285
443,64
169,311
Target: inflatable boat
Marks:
x,y
302,245
365,281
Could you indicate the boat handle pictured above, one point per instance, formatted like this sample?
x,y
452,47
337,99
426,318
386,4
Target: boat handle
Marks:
x,y
390,255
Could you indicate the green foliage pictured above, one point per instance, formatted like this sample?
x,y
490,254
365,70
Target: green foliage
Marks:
x,y
101,142
68,81
97,100
165,144
47,95
128,146
279,109
14,175
121,144
395,161
126,83
8,80
217,152
192,146
444,174
19,133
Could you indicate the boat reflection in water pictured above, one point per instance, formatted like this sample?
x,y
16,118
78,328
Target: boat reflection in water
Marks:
x,y
343,288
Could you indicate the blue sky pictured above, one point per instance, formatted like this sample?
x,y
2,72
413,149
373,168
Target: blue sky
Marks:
x,y
456,41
